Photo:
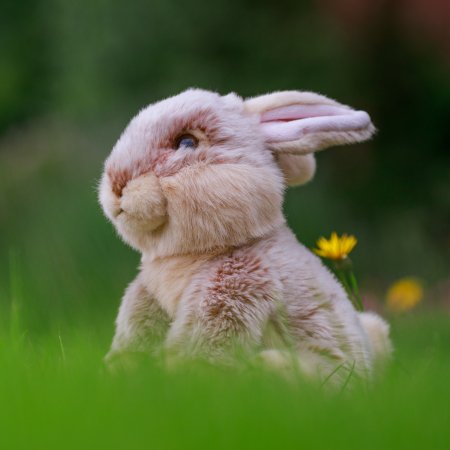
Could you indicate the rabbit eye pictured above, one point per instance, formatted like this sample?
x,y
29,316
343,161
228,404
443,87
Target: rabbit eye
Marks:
x,y
186,141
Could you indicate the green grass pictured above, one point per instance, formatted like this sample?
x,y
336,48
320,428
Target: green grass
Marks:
x,y
56,393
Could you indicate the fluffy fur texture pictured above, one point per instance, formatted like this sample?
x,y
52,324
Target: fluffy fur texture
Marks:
x,y
221,272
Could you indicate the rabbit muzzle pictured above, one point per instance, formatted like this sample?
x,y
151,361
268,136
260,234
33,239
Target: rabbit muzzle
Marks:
x,y
143,203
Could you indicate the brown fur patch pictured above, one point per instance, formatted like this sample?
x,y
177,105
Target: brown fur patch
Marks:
x,y
239,284
119,179
203,119
159,150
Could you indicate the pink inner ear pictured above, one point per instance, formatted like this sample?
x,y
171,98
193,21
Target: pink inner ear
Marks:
x,y
294,112
290,123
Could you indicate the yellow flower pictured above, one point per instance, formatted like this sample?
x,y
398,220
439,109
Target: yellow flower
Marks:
x,y
404,294
336,247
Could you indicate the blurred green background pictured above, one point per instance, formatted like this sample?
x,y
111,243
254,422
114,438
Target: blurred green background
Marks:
x,y
73,73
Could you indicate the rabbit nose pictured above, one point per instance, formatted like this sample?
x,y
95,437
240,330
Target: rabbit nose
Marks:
x,y
119,179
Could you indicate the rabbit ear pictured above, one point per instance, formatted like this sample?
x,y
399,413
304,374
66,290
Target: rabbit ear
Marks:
x,y
304,122
297,169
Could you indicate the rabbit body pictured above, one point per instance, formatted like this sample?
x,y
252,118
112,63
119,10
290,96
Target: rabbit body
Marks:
x,y
196,184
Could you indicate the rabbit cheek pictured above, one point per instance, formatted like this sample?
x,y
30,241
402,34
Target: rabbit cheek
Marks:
x,y
143,205
221,205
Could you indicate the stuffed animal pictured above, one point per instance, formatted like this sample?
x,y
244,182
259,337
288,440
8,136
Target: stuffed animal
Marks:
x,y
195,184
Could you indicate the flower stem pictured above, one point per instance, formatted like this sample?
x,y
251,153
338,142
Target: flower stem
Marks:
x,y
347,278
355,291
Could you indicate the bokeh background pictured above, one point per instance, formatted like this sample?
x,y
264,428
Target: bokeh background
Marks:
x,y
73,73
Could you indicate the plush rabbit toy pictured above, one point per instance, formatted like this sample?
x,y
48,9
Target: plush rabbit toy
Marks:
x,y
195,183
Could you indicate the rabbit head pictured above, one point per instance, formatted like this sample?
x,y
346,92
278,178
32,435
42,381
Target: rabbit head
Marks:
x,y
200,171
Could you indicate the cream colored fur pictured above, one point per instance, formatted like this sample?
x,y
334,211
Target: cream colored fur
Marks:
x,y
221,272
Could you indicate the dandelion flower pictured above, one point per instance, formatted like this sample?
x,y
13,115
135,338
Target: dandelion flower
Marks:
x,y
335,248
404,294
